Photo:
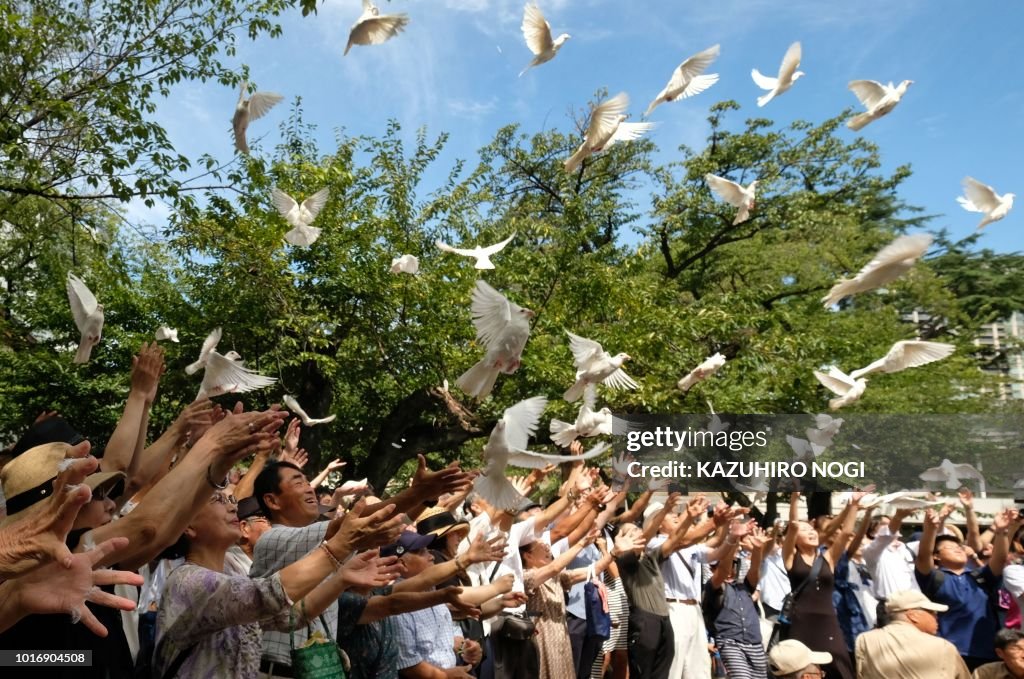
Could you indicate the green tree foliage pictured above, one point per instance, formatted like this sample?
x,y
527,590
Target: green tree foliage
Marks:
x,y
345,335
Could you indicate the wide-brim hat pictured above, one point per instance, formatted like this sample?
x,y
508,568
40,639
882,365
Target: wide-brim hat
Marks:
x,y
28,479
438,522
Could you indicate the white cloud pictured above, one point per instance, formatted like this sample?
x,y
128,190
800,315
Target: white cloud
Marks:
x,y
472,109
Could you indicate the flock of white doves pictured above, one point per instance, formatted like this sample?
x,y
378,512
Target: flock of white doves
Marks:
x,y
503,326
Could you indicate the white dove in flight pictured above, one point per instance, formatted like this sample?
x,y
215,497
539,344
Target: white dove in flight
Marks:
x,y
594,365
482,255
606,127
248,110
88,315
409,264
374,28
734,194
804,449
890,263
224,373
708,367
907,354
787,75
164,333
842,385
300,217
902,499
507,446
877,98
824,430
688,79
501,326
982,198
308,421
537,32
589,422
904,354
951,473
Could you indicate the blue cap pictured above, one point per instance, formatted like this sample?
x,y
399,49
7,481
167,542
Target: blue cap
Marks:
x,y
408,541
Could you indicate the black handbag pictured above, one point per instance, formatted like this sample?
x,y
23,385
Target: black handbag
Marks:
x,y
513,627
781,629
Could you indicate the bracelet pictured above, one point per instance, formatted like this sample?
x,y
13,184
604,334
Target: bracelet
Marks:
x,y
209,480
330,555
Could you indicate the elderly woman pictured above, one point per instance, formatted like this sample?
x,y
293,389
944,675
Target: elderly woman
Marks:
x,y
546,581
209,623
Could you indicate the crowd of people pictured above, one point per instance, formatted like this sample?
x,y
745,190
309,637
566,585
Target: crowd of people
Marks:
x,y
168,559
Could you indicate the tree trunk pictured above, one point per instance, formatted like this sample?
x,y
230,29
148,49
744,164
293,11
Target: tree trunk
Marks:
x,y
428,420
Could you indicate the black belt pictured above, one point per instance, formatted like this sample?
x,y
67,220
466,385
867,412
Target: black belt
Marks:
x,y
274,668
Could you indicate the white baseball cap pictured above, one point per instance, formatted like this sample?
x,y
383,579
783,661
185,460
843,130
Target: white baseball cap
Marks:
x,y
791,656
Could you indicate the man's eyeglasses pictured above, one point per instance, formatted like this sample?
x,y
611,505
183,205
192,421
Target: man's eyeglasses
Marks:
x,y
820,674
223,499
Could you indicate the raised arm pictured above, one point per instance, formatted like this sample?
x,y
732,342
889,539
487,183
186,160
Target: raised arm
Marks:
x,y
165,511
538,576
428,485
480,550
862,530
636,511
1005,522
652,527
121,447
759,543
792,528
332,466
841,541
973,537
925,562
151,463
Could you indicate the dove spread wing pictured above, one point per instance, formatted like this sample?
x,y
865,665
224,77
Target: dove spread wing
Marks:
x,y
909,354
934,474
620,380
492,312
980,197
693,67
966,471
444,247
790,62
584,351
497,247
83,302
605,118
869,92
835,380
763,81
315,203
629,132
532,460
536,30
261,102
903,248
729,191
379,29
521,421
284,203
224,372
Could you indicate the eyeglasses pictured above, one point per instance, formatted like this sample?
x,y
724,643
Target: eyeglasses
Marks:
x,y
819,673
221,498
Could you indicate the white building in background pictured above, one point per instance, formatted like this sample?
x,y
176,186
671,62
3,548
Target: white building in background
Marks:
x,y
1005,335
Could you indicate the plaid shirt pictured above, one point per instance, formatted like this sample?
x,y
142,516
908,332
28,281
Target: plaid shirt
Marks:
x,y
427,635
279,547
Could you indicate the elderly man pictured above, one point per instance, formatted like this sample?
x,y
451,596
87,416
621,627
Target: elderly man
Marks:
x,y
907,647
790,659
1010,649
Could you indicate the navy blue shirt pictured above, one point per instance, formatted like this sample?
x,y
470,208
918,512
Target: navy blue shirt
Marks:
x,y
970,624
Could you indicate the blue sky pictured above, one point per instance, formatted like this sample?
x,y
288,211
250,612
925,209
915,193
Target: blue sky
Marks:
x,y
455,70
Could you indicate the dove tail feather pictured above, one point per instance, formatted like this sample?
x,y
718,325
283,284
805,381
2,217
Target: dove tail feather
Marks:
x,y
835,403
858,121
479,380
498,491
193,368
575,160
575,391
563,433
762,100
83,353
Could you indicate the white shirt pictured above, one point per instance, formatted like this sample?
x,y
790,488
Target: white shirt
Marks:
x,y
681,582
891,563
774,582
1013,582
518,534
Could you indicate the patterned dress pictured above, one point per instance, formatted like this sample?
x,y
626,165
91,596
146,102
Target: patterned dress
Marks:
x,y
553,645
221,615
